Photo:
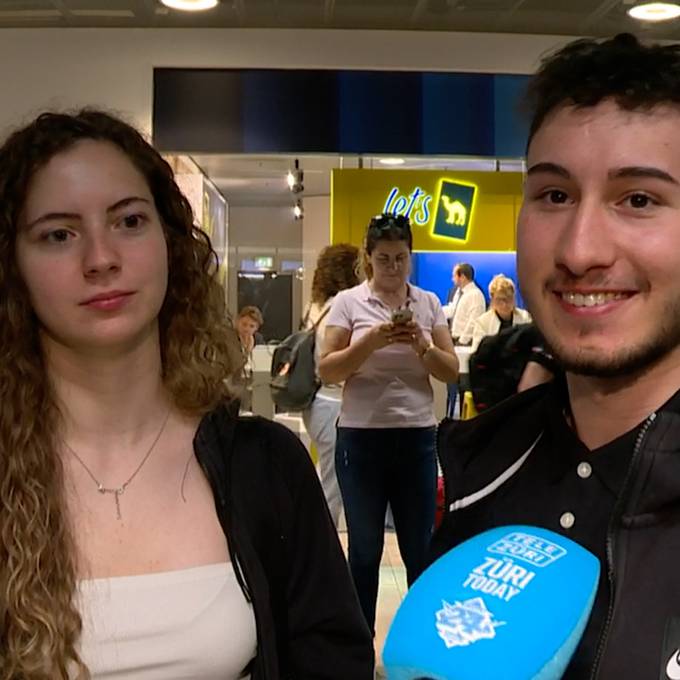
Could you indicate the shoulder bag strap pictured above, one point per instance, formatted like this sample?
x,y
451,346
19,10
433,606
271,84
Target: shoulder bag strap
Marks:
x,y
321,316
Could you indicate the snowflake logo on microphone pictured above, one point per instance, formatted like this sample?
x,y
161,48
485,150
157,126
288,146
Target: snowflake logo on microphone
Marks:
x,y
462,623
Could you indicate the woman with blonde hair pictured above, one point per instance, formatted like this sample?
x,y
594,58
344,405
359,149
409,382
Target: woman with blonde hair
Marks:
x,y
146,532
502,313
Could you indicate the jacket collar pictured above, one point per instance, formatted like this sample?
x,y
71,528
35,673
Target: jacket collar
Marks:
x,y
609,462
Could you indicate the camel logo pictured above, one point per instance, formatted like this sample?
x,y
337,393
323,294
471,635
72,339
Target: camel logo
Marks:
x,y
454,209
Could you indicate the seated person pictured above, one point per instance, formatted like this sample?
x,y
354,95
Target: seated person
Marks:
x,y
502,312
248,324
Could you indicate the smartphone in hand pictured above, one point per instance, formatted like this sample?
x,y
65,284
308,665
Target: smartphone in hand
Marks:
x,y
402,316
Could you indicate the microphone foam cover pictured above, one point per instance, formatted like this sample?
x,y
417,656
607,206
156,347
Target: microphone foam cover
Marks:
x,y
509,603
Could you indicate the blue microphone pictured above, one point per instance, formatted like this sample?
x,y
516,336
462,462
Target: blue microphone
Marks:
x,y
510,604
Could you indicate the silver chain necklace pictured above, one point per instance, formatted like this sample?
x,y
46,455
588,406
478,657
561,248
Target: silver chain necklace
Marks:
x,y
119,491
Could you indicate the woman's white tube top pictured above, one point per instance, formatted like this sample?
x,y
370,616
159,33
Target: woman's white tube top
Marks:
x,y
191,624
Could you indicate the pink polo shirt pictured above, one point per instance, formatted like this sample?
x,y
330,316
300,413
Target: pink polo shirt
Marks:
x,y
392,387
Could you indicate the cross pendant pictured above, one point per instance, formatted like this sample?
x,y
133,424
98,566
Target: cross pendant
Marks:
x,y
117,493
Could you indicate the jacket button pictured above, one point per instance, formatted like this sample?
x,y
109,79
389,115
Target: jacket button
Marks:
x,y
567,520
584,470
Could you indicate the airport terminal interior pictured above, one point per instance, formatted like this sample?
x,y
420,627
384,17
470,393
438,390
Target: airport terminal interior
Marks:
x,y
289,124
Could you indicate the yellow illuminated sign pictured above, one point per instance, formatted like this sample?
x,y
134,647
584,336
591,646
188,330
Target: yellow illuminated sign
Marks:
x,y
473,211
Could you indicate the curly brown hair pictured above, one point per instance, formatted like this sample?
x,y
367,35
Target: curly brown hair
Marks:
x,y
39,622
336,269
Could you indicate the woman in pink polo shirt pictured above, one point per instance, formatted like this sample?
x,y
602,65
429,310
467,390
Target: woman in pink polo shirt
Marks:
x,y
385,338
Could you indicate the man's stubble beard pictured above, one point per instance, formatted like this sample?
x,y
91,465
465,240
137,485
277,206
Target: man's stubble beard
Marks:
x,y
629,361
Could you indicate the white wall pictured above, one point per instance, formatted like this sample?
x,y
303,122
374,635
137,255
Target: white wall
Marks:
x,y
113,68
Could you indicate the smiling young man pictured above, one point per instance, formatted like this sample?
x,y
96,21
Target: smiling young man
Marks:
x,y
595,456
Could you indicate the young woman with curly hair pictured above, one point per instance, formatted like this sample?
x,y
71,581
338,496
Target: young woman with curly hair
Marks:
x,y
336,270
145,531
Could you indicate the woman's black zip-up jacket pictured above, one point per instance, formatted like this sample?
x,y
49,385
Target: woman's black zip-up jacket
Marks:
x,y
285,551
640,640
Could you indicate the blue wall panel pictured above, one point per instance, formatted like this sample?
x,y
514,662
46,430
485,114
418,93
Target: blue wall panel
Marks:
x,y
458,114
379,112
326,111
510,124
272,118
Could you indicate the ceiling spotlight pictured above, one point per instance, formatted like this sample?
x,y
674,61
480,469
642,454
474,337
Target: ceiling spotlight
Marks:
x,y
655,11
298,210
190,5
391,161
294,178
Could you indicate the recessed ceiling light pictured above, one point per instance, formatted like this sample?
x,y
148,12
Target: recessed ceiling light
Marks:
x,y
655,11
391,161
190,5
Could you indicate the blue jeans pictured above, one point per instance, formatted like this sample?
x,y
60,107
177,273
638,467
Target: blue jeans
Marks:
x,y
452,399
376,467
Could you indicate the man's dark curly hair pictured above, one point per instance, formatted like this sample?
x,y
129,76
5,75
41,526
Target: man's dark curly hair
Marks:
x,y
585,72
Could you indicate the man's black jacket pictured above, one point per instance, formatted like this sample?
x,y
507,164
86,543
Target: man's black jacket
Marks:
x,y
643,532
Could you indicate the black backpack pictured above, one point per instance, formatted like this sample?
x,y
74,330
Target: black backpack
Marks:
x,y
497,365
294,381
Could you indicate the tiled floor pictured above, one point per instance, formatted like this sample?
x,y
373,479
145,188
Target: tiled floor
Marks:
x,y
391,590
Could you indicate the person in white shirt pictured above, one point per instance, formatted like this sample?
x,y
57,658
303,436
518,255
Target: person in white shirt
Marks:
x,y
502,311
466,305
